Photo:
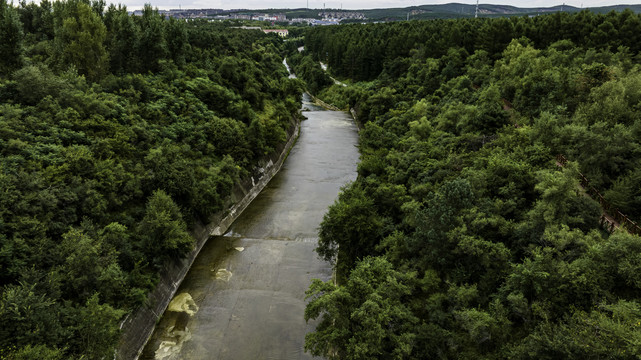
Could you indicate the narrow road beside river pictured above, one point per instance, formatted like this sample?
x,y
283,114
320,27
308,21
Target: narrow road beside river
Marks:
x,y
244,296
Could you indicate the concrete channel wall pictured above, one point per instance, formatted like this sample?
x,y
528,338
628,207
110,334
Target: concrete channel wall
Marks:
x,y
320,102
139,325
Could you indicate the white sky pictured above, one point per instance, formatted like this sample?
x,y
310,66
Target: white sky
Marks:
x,y
346,4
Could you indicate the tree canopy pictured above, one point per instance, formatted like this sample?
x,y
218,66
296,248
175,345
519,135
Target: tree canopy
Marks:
x,y
462,236
117,134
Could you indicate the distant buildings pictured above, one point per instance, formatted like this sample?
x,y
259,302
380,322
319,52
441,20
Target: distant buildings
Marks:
x,y
240,16
316,22
232,17
327,17
341,15
257,17
280,32
301,21
219,14
270,17
187,13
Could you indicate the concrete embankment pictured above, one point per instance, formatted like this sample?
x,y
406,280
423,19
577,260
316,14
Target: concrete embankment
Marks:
x,y
139,325
320,102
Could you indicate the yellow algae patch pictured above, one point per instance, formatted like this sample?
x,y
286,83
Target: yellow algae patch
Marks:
x,y
183,302
170,350
223,274
165,349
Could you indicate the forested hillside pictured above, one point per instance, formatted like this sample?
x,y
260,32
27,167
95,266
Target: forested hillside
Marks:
x,y
463,237
117,134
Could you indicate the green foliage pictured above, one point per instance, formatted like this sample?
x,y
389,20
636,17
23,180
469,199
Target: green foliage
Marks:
x,y
152,45
36,83
123,37
28,317
492,248
366,318
611,331
177,41
98,328
351,224
310,71
80,40
162,229
11,34
117,135
37,352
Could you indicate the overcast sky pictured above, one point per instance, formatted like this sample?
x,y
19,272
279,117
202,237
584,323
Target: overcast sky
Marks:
x,y
346,4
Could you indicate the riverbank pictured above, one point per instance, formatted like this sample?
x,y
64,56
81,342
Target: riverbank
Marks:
x,y
139,325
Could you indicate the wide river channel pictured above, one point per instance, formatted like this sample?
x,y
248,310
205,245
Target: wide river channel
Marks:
x,y
244,296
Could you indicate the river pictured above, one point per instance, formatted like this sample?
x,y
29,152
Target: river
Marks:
x,y
244,296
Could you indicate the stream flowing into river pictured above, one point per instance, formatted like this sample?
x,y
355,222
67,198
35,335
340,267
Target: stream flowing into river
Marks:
x,y
244,296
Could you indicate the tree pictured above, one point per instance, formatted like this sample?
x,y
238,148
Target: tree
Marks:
x,y
27,317
80,39
152,46
177,41
97,328
10,38
36,352
35,83
350,229
84,262
433,243
123,38
37,20
611,330
560,202
163,231
365,319
505,244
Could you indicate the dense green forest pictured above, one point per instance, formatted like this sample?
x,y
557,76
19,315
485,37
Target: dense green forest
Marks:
x,y
117,134
462,236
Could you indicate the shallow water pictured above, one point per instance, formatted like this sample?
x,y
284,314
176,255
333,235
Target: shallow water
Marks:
x,y
244,296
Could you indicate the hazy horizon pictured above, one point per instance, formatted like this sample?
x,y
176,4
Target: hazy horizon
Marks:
x,y
345,5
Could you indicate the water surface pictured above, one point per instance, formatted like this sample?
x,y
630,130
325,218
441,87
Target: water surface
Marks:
x,y
244,296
